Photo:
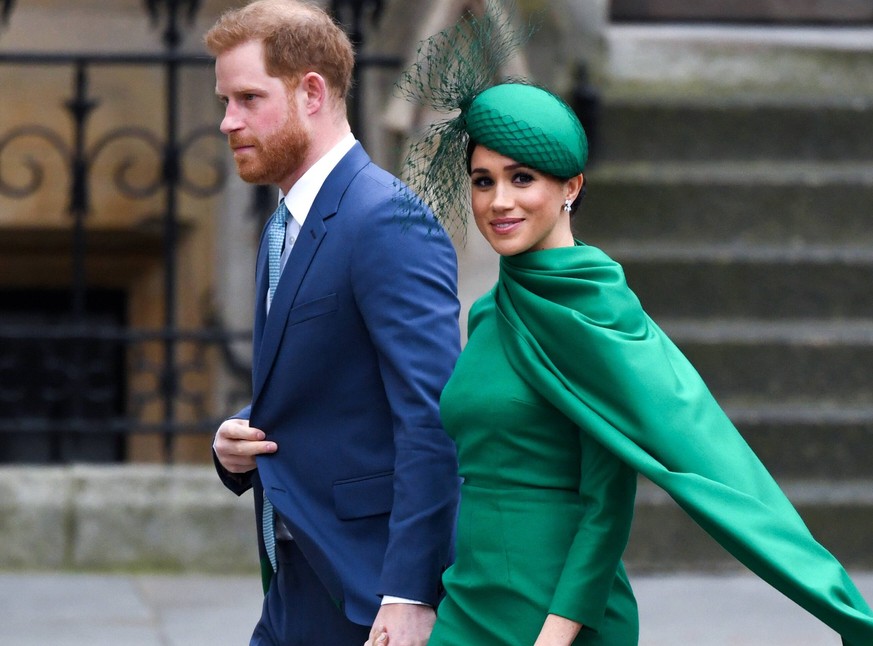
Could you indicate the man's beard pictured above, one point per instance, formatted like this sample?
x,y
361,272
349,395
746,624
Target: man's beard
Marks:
x,y
275,158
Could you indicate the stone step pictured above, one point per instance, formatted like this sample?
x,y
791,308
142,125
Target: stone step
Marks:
x,y
732,176
839,515
737,280
785,361
783,203
717,61
703,92
735,128
824,440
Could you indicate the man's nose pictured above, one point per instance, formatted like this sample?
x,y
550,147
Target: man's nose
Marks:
x,y
230,122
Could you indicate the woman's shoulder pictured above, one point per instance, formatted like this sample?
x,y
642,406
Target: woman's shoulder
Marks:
x,y
480,309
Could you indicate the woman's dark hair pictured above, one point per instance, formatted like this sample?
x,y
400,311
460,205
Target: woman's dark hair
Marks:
x,y
471,146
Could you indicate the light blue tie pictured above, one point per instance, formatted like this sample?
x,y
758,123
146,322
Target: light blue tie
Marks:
x,y
275,244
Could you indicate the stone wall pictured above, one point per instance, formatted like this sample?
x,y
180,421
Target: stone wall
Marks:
x,y
129,518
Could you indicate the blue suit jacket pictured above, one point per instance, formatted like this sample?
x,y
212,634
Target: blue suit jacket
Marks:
x,y
348,367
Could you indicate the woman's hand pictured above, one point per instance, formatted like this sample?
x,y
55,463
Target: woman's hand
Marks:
x,y
558,631
409,624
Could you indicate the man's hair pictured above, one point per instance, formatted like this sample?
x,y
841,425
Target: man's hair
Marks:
x,y
298,38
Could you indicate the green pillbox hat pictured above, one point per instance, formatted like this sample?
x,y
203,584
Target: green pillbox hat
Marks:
x,y
531,126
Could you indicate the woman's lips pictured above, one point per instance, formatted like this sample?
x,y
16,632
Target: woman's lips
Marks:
x,y
505,225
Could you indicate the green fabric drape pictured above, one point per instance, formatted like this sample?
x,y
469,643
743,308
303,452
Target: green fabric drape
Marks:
x,y
576,332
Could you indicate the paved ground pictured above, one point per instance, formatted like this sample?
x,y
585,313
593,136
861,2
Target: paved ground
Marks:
x,y
42,609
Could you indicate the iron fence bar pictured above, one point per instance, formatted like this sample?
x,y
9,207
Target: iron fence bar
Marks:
x,y
78,423
171,178
6,11
85,426
145,59
79,159
118,427
80,108
123,334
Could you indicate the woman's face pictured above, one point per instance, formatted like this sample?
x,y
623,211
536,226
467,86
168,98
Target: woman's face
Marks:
x,y
518,208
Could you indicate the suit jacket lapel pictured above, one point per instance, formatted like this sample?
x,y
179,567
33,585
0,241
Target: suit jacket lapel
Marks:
x,y
261,283
307,244
301,257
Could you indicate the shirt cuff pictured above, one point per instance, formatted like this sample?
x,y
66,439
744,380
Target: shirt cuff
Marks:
x,y
387,599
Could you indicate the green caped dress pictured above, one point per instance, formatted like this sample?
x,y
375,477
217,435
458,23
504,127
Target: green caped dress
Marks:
x,y
565,391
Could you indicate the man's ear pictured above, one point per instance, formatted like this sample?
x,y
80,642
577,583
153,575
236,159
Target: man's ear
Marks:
x,y
314,88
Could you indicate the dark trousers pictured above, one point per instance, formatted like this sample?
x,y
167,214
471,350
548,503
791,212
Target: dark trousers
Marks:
x,y
298,611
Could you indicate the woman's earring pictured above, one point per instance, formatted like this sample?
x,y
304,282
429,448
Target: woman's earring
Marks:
x,y
568,205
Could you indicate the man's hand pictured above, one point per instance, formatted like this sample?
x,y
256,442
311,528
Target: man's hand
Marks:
x,y
402,624
381,640
236,444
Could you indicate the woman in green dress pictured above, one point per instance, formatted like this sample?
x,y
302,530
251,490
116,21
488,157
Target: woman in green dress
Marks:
x,y
565,391
546,510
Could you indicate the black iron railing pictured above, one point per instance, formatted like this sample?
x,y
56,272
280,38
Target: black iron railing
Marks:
x,y
75,379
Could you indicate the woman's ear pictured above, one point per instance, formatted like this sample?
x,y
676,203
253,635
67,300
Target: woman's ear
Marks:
x,y
573,186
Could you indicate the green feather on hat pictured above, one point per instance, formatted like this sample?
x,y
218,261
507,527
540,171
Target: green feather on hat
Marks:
x,y
455,73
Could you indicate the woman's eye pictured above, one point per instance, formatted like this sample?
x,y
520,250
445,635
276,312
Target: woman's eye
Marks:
x,y
482,181
522,178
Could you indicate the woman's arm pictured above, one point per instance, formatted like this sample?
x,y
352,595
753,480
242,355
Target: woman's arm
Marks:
x,y
607,489
558,631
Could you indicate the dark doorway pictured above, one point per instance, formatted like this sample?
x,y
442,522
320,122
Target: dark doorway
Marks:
x,y
60,384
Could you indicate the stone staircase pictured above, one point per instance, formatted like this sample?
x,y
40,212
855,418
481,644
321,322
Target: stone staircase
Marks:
x,y
742,212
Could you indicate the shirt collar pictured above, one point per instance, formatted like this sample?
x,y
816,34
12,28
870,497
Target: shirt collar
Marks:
x,y
301,196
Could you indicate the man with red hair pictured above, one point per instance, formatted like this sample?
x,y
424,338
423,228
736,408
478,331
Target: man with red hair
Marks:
x,y
355,334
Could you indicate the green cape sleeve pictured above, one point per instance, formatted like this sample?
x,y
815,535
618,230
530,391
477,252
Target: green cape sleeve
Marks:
x,y
578,335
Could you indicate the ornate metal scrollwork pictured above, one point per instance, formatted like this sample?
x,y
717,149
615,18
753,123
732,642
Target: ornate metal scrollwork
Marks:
x,y
86,383
217,164
173,6
120,175
172,35
80,376
35,169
